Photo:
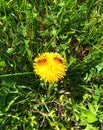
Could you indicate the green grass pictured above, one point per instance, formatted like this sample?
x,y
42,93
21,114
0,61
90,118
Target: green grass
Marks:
x,y
75,30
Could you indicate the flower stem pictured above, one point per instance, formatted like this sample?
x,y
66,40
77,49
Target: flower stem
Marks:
x,y
49,89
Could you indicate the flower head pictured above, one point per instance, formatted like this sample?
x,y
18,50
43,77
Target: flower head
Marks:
x,y
50,67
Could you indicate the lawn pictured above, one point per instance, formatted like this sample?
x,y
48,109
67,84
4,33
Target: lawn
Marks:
x,y
74,30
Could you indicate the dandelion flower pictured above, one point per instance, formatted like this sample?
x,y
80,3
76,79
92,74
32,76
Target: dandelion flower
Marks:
x,y
50,67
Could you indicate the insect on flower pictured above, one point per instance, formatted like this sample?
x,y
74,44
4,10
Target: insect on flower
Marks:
x,y
58,60
42,61
50,67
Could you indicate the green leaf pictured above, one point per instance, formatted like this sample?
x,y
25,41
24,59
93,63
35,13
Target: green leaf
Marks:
x,y
91,117
91,127
2,63
99,66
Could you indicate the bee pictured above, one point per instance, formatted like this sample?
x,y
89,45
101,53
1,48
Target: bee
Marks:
x,y
42,61
58,60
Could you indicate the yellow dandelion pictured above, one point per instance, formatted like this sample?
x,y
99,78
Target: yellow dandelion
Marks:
x,y
50,67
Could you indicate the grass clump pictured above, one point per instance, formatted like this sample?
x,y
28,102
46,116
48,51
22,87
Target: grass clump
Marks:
x,y
73,29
